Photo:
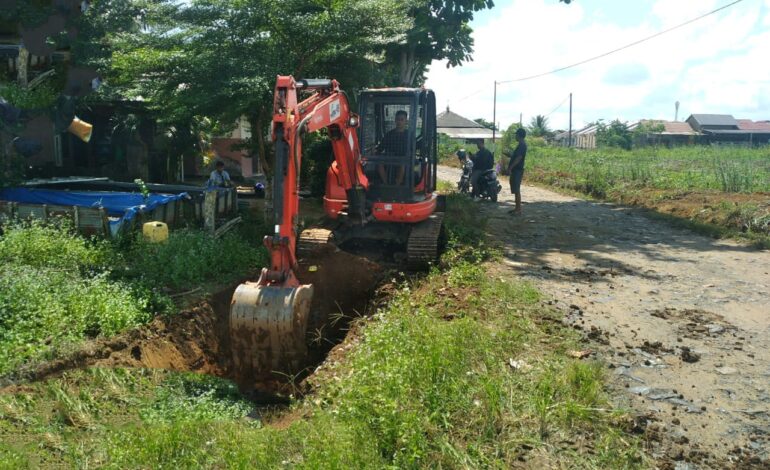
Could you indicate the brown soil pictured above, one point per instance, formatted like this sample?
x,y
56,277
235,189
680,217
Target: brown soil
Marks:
x,y
197,339
681,320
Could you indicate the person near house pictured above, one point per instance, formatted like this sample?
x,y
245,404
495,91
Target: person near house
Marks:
x,y
516,168
395,143
219,178
482,161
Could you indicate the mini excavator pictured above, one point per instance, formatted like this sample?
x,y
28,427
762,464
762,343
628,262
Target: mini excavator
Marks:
x,y
375,190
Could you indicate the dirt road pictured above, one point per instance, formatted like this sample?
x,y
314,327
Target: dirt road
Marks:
x,y
682,320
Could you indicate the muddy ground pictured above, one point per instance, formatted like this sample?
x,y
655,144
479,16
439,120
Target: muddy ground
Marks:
x,y
682,320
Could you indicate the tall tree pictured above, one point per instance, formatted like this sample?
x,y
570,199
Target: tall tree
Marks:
x,y
219,58
538,126
489,125
441,31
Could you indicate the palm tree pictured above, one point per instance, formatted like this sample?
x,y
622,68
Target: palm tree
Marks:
x,y
538,126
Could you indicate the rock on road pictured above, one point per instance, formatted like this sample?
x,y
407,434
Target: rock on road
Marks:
x,y
682,320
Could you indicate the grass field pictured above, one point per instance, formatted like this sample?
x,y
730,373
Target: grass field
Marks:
x,y
722,191
459,370
58,288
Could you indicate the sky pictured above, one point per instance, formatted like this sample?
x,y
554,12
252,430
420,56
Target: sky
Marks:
x,y
717,65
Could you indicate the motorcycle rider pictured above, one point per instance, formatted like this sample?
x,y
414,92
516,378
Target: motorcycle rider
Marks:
x,y
482,161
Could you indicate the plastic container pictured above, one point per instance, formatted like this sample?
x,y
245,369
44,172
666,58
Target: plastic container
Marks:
x,y
155,232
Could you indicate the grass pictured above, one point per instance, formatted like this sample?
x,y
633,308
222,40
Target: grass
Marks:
x,y
58,288
461,370
724,169
719,191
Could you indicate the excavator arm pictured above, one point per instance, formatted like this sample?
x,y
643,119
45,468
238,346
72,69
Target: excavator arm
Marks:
x,y
268,318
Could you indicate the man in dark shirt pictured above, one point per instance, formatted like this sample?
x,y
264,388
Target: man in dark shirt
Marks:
x,y
516,167
395,144
482,161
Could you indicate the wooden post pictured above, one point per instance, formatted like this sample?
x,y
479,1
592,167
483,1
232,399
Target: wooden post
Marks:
x,y
22,66
76,218
210,211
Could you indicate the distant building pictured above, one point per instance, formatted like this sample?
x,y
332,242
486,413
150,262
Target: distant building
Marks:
x,y
723,129
458,127
667,133
585,138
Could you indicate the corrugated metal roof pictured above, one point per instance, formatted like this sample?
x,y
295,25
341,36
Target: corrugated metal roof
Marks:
x,y
749,125
449,119
678,128
467,132
715,120
735,131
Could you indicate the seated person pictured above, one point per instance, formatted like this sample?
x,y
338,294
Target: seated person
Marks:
x,y
395,143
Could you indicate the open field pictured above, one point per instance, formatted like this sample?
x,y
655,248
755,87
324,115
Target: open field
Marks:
x,y
720,191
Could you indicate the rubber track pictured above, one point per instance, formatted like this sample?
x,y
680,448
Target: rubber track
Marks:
x,y
313,241
422,247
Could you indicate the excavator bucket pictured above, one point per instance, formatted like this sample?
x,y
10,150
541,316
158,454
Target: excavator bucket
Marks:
x,y
267,328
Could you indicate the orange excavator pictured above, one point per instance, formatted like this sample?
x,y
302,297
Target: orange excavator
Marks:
x,y
380,186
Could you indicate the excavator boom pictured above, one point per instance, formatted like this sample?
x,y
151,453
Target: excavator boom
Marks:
x,y
268,318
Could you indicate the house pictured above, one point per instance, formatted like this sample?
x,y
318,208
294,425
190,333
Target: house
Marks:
x,y
721,129
230,149
458,127
585,138
667,133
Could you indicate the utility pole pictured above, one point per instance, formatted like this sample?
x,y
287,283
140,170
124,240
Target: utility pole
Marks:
x,y
494,114
521,115
570,120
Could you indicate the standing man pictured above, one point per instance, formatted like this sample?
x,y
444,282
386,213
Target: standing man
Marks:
x,y
482,161
516,167
219,178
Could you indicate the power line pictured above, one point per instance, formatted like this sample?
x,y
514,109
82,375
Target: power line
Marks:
x,y
623,47
472,94
559,106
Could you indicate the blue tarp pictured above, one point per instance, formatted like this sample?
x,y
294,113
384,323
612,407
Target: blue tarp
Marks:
x,y
117,204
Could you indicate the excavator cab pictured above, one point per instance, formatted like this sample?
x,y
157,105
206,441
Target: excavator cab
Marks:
x,y
397,135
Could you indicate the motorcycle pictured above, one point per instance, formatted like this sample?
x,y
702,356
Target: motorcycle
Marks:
x,y
489,186
464,185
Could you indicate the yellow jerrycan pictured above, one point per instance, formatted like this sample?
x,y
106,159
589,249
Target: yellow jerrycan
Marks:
x,y
155,232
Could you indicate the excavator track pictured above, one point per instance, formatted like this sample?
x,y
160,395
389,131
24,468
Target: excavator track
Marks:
x,y
314,241
423,245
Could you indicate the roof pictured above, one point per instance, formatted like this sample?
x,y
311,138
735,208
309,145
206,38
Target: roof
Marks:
x,y
459,127
714,120
467,133
669,127
450,119
677,127
735,131
749,125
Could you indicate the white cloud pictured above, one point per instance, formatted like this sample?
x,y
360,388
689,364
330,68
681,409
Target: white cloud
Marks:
x,y
716,65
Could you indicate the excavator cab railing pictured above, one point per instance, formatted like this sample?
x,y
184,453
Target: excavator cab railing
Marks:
x,y
399,158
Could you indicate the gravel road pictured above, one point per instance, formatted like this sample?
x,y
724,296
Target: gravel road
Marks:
x,y
682,320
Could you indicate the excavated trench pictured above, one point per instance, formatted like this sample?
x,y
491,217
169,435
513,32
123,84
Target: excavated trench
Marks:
x,y
198,339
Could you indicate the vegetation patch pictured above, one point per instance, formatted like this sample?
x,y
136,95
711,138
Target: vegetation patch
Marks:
x,y
720,191
459,370
58,288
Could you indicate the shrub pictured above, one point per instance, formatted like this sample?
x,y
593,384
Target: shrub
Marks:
x,y
191,257
42,309
52,246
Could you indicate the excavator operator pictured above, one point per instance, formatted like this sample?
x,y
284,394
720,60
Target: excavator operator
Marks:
x,y
394,144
